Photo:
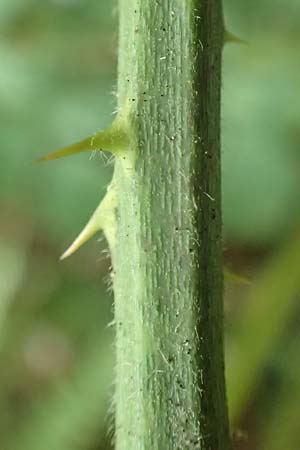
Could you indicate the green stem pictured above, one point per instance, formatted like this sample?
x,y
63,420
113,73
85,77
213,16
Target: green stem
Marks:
x,y
167,257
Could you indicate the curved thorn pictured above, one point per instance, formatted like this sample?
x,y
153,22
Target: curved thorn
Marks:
x,y
101,219
230,37
89,230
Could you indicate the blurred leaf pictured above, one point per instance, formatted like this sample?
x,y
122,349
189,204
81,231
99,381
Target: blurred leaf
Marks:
x,y
74,412
12,267
261,323
261,163
280,428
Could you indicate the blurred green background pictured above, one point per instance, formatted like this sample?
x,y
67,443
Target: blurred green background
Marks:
x,y
57,83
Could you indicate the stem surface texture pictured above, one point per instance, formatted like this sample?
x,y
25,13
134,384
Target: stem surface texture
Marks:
x,y
167,258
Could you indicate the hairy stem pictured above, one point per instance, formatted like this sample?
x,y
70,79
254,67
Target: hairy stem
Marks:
x,y
167,257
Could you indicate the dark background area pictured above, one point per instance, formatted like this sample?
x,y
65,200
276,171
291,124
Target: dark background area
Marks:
x,y
57,83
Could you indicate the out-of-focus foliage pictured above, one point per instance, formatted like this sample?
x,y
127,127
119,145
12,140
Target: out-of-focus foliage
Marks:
x,y
261,134
57,78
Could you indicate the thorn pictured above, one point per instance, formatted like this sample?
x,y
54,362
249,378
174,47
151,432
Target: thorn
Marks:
x,y
91,228
232,277
232,38
84,145
114,139
102,219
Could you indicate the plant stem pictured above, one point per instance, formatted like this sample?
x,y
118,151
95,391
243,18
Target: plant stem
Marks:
x,y
167,260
